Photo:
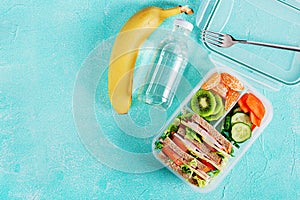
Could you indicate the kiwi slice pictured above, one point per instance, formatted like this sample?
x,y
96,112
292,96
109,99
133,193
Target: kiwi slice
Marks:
x,y
203,103
216,116
219,104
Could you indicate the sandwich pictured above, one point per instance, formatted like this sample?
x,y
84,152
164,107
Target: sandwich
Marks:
x,y
194,149
209,134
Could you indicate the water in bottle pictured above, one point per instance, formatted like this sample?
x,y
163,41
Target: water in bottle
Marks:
x,y
165,73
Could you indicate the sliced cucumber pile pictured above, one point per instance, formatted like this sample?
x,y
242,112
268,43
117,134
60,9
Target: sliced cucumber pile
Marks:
x,y
237,126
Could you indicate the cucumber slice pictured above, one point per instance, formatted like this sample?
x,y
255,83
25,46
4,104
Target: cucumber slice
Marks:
x,y
238,109
241,117
240,132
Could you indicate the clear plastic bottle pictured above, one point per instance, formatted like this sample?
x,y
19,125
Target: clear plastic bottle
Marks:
x,y
164,75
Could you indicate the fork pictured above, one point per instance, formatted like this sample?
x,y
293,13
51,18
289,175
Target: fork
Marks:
x,y
225,40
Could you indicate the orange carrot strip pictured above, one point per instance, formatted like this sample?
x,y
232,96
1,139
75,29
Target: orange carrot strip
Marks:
x,y
242,103
255,106
254,119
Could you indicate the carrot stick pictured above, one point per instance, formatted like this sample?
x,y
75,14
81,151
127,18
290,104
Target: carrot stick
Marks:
x,y
242,103
254,119
255,106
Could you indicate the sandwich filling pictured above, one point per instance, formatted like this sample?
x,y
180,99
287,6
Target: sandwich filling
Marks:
x,y
194,149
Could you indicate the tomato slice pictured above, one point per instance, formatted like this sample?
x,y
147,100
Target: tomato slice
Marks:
x,y
209,166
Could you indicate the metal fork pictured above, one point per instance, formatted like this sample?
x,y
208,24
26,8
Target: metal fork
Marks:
x,y
225,40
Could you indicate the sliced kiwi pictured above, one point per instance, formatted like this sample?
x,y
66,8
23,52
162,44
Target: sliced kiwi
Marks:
x,y
219,104
216,116
203,103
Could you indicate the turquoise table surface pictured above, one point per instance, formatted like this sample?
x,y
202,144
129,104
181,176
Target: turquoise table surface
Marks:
x,y
43,45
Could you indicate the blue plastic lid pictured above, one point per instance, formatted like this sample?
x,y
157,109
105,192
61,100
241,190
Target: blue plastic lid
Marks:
x,y
265,21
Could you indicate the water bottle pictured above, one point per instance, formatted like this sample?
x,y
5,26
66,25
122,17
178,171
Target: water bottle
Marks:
x,y
165,73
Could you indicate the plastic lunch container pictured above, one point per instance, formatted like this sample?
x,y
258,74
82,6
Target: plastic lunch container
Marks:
x,y
181,144
186,140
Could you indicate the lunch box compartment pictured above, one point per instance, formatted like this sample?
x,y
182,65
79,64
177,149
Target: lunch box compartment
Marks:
x,y
220,69
238,152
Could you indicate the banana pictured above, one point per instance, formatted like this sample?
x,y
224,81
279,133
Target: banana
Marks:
x,y
125,51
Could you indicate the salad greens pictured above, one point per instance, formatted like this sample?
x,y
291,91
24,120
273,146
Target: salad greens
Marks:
x,y
172,128
200,182
186,169
158,144
213,173
190,134
185,116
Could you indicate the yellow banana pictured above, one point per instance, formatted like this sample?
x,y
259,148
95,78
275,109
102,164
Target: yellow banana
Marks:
x,y
125,51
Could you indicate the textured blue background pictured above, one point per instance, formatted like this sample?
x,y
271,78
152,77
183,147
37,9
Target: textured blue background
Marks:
x,y
42,47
